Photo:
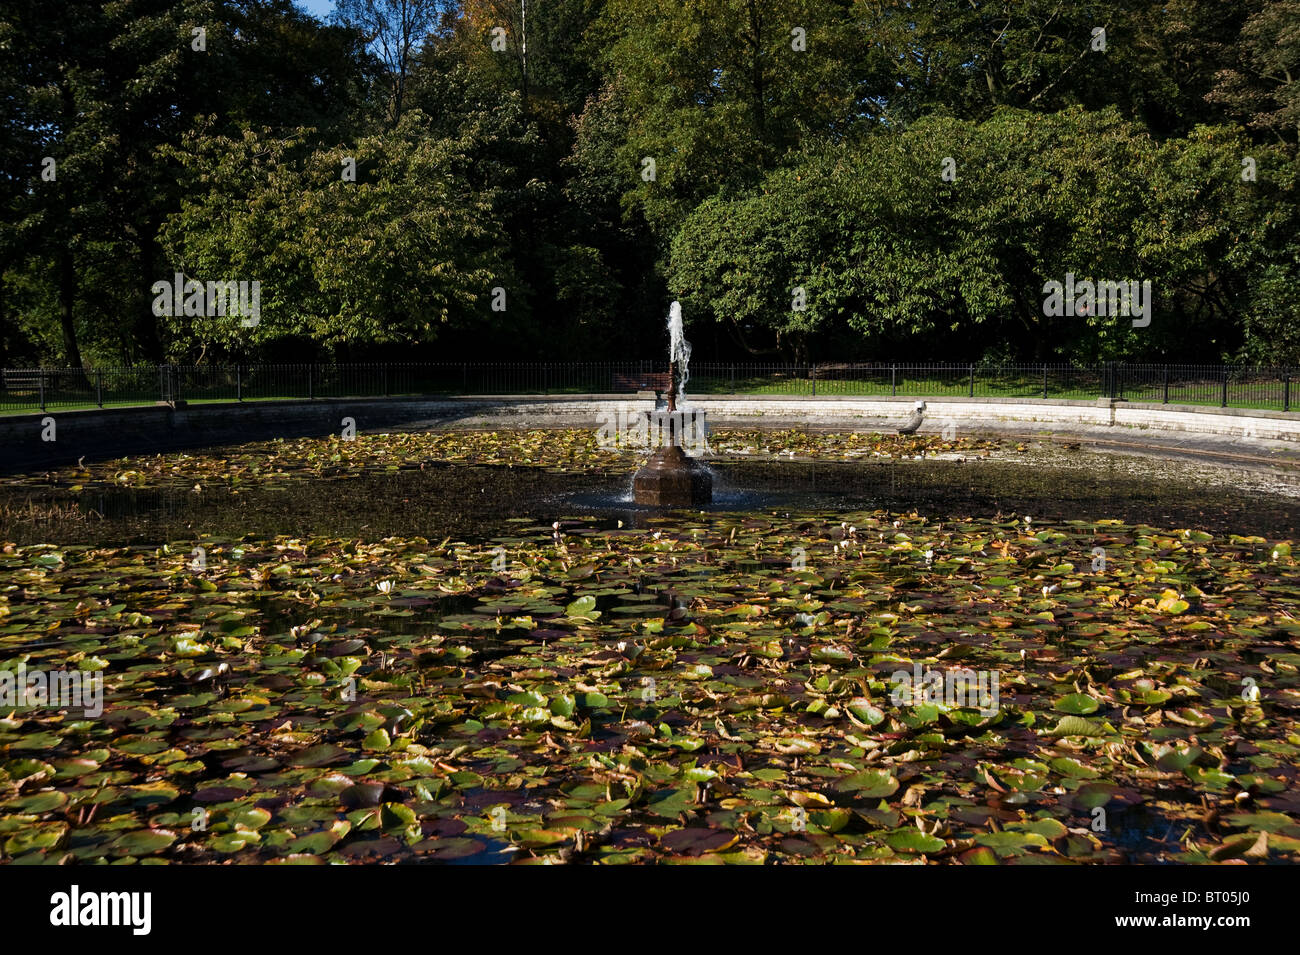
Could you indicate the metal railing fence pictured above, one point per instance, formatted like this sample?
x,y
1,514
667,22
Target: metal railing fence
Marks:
x,y
1238,386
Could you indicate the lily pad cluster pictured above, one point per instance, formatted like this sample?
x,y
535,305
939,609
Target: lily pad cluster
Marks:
x,y
269,463
850,445
712,688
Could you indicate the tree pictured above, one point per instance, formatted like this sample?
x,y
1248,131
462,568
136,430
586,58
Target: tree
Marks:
x,y
1262,84
284,69
583,282
715,93
101,86
949,231
779,164
1261,268
98,90
399,255
536,49
396,29
968,59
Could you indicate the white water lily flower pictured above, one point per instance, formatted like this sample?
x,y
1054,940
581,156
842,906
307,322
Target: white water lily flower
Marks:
x,y
385,586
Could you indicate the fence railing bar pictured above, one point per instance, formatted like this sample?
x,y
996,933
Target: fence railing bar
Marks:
x,y
1167,383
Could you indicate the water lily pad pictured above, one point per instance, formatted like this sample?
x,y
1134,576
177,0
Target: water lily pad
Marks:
x,y
1078,726
38,802
695,841
1080,704
144,842
322,755
913,840
869,784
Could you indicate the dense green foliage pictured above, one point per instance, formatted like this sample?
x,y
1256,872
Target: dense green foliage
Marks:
x,y
815,179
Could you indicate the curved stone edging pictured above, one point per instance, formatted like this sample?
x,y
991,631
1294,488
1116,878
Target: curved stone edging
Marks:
x,y
119,432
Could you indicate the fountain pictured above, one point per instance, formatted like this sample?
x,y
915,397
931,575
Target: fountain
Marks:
x,y
671,478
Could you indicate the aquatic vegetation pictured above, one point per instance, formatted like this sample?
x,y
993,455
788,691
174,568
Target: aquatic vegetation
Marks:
x,y
709,688
269,462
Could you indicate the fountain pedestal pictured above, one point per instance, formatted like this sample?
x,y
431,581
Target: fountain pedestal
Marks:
x,y
672,479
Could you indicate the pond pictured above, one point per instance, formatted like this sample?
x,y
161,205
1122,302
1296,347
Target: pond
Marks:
x,y
473,648
470,500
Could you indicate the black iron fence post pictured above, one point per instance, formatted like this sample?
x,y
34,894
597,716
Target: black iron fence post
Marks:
x,y
733,379
99,388
1044,382
239,382
40,380
1286,389
972,380
1224,403
812,370
311,383
1166,401
893,381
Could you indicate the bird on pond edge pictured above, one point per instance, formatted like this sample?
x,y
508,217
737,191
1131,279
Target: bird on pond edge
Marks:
x,y
914,422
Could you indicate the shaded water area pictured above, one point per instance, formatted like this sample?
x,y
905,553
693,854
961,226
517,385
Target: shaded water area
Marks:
x,y
479,502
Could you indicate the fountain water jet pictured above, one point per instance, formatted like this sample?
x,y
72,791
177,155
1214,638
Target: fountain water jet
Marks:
x,y
679,350
671,478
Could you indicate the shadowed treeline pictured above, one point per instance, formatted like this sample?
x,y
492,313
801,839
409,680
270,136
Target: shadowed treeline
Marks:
x,y
815,180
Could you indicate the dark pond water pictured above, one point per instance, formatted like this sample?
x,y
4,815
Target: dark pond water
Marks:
x,y
471,503
480,502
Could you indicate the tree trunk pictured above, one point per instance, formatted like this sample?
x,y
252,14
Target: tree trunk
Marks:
x,y
67,307
67,268
757,78
799,344
145,333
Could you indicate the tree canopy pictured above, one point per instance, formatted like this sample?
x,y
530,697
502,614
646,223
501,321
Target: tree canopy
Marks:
x,y
814,179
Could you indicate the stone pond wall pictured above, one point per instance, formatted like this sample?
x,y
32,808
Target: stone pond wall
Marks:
x,y
112,433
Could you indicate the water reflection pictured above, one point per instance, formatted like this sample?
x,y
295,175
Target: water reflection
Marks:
x,y
468,502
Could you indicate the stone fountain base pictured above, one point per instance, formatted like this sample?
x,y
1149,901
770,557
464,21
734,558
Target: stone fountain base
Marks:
x,y
672,479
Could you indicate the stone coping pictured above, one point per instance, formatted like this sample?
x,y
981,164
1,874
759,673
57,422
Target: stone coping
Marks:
x,y
99,434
